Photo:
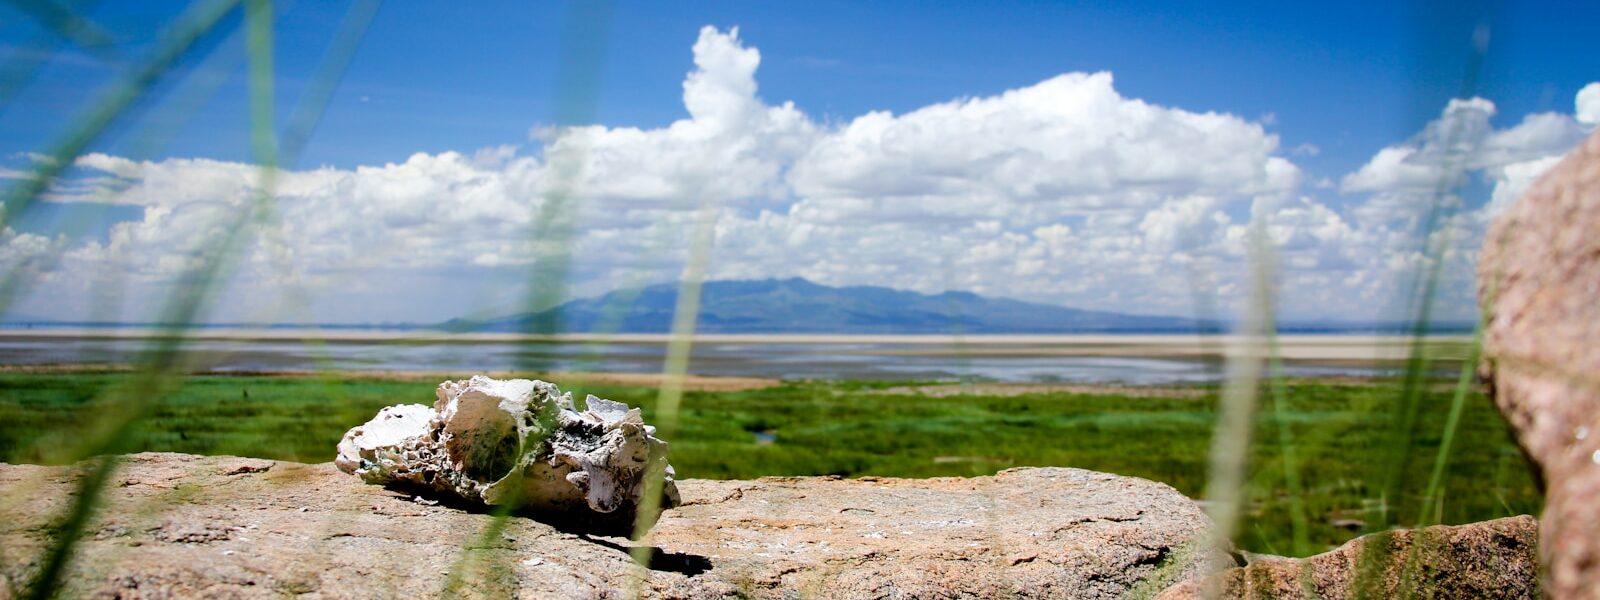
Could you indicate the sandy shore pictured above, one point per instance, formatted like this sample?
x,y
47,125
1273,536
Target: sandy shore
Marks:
x,y
725,362
700,383
1334,348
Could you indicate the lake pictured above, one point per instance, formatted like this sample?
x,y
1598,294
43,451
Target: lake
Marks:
x,y
1126,359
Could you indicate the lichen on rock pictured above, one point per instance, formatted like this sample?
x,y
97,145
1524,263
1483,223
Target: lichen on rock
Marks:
x,y
518,442
1489,559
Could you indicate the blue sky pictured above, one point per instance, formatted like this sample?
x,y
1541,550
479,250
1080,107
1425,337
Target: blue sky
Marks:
x,y
1348,78
1335,83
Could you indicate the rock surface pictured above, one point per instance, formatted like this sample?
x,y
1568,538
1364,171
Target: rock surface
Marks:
x,y
184,526
516,441
1492,559
1539,278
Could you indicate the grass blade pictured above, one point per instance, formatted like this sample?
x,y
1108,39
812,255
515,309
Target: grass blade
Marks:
x,y
63,21
163,362
1230,444
197,21
1288,453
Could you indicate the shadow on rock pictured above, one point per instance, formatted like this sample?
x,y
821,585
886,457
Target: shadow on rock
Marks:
x,y
675,562
577,522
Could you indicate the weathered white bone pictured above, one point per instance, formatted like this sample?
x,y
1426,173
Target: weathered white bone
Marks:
x,y
518,442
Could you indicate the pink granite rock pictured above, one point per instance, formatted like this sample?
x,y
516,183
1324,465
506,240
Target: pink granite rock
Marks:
x,y
1539,278
181,526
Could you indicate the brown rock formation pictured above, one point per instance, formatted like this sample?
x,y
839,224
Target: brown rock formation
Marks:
x,y
176,525
1492,559
1539,278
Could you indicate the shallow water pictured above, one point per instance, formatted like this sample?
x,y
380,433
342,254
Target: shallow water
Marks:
x,y
775,360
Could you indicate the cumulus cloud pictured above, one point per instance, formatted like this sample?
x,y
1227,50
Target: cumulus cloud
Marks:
x,y
1588,104
1067,141
1063,191
1405,180
1422,194
733,147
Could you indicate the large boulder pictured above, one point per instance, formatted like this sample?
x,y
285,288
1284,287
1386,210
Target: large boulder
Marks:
x,y
175,525
1492,559
1539,281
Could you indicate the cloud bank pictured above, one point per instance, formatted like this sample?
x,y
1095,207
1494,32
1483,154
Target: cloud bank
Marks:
x,y
1064,191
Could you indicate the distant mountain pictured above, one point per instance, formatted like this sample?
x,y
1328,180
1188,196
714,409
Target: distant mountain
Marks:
x,y
800,306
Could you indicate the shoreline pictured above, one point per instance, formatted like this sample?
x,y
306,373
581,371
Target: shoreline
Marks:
x,y
1291,347
441,337
1009,358
704,383
718,383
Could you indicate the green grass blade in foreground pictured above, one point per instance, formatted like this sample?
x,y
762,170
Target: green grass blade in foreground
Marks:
x,y
1288,453
163,368
554,222
71,26
1230,444
198,20
1431,509
1403,416
20,71
198,86
679,346
615,310
1465,378
59,553
578,85
330,73
1458,402
302,123
258,46
1435,233
1396,453
17,73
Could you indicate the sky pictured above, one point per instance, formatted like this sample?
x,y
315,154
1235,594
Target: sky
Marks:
x,y
1106,156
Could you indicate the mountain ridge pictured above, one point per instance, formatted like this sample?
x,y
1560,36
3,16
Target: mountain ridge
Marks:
x,y
798,305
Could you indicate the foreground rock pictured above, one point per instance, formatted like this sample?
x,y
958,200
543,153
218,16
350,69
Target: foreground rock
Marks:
x,y
1539,279
518,442
1492,559
184,526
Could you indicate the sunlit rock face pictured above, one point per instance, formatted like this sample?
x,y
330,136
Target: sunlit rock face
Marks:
x,y
516,442
1539,281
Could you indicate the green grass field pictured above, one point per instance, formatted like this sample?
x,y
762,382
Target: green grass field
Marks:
x,y
856,428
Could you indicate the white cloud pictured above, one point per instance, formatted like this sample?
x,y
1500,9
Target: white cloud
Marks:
x,y
1510,181
1067,141
1404,180
1062,191
733,147
1183,223
1439,151
1436,175
1588,104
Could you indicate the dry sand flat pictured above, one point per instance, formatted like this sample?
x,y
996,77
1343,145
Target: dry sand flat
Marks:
x,y
1306,349
1021,389
699,383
